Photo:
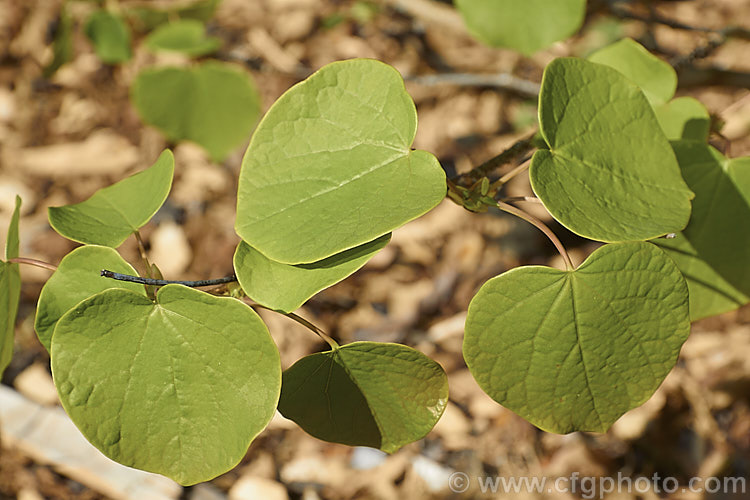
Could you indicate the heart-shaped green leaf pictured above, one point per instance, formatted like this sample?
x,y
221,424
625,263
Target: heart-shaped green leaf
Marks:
x,y
681,118
713,252
365,394
610,173
285,287
10,291
684,118
330,166
574,350
77,278
656,78
110,35
187,36
115,212
526,26
179,387
213,104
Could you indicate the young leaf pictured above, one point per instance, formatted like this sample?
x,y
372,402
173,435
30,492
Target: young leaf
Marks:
x,y
365,394
77,278
10,291
610,173
713,252
110,35
656,78
187,36
574,350
526,26
113,213
203,10
330,166
284,287
224,104
62,46
684,118
179,387
151,18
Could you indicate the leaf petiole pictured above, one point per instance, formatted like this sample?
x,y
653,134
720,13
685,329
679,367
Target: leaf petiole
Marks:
x,y
505,207
33,262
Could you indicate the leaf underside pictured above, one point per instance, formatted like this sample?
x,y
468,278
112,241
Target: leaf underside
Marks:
x,y
330,166
284,287
713,252
365,394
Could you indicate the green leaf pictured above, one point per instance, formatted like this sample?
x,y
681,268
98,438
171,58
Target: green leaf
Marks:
x,y
574,350
684,118
710,292
202,10
62,46
187,36
224,105
179,387
151,18
681,118
113,213
110,35
365,394
12,242
526,26
77,278
656,78
610,173
10,290
284,287
330,166
713,252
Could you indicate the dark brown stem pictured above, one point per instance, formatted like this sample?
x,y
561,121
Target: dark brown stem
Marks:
x,y
700,52
542,227
33,262
519,148
655,18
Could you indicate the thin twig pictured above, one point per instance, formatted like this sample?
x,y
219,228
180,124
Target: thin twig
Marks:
x,y
432,13
149,281
542,227
33,262
700,52
519,148
505,81
657,19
